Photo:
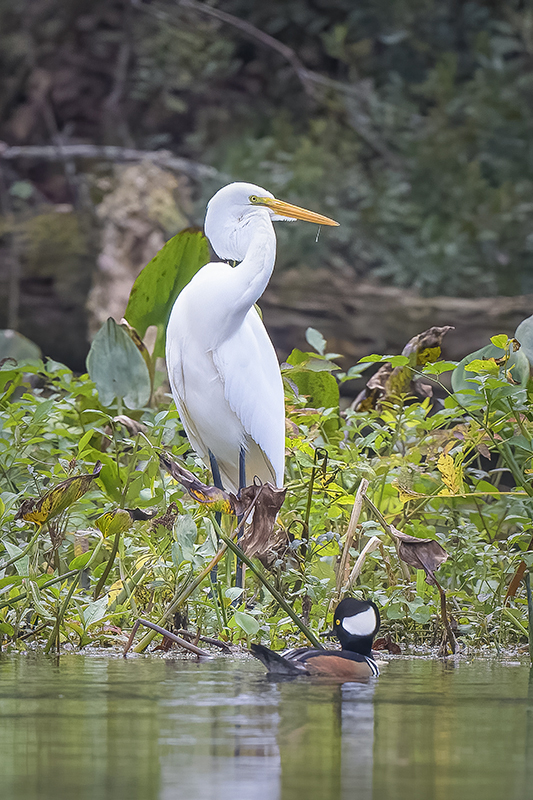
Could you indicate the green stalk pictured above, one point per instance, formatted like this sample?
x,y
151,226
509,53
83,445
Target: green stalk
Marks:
x,y
58,579
529,614
274,592
516,622
108,566
54,635
180,597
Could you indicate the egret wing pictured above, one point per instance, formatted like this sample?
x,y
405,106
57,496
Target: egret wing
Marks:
x,y
249,369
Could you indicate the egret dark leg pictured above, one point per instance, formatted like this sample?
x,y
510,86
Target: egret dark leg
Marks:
x,y
242,484
217,480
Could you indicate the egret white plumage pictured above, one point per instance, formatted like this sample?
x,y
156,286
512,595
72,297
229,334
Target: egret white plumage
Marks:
x,y
223,370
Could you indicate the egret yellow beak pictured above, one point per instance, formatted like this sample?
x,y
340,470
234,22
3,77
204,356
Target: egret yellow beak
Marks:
x,y
294,212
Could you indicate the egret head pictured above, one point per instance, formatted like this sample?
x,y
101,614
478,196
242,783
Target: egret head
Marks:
x,y
232,211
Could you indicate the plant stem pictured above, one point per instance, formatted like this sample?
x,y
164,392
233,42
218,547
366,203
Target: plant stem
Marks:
x,y
529,614
274,592
108,566
54,635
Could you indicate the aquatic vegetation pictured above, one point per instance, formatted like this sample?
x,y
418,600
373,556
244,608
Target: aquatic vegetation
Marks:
x,y
419,502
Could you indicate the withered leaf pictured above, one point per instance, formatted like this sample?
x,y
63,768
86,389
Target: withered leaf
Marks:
x,y
386,643
216,498
57,499
426,554
421,349
268,500
265,498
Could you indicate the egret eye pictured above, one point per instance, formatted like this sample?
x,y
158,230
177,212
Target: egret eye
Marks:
x,y
253,198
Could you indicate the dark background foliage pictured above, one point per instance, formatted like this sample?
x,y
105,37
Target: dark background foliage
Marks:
x,y
408,120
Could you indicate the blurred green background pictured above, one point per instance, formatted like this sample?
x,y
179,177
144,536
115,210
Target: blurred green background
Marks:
x,y
409,121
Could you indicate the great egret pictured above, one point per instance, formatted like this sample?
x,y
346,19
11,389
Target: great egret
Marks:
x,y
223,369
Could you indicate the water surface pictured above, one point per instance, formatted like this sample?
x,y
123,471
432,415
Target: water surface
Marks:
x,y
149,728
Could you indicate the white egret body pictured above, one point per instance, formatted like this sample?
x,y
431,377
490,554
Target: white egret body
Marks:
x,y
223,370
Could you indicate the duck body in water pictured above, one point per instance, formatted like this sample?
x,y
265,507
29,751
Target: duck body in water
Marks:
x,y
355,623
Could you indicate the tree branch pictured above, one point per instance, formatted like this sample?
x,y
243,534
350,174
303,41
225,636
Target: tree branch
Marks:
x,y
163,158
308,78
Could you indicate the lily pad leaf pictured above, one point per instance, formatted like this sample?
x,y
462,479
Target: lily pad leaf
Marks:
x,y
118,368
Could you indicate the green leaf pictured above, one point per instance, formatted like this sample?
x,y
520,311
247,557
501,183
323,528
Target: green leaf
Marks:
x,y
155,290
439,367
321,387
248,623
316,340
524,334
80,561
483,366
112,522
233,593
23,564
312,361
500,340
396,361
7,629
479,361
186,533
118,368
85,439
15,345
95,612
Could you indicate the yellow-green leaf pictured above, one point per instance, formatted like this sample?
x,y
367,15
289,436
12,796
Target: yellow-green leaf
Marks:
x,y
57,499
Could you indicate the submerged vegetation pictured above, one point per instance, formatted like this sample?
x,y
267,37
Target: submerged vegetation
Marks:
x,y
96,534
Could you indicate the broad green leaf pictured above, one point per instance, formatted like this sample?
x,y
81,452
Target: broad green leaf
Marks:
x,y
233,593
15,345
524,334
311,361
186,533
95,612
155,290
22,565
6,629
422,614
248,623
118,368
85,439
439,367
396,361
316,340
321,387
482,366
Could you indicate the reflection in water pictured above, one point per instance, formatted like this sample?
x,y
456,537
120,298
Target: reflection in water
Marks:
x,y
357,740
94,728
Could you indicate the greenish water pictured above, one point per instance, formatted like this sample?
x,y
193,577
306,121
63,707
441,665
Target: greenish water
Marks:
x,y
106,728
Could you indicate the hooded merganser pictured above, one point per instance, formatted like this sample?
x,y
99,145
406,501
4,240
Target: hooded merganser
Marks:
x,y
355,623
